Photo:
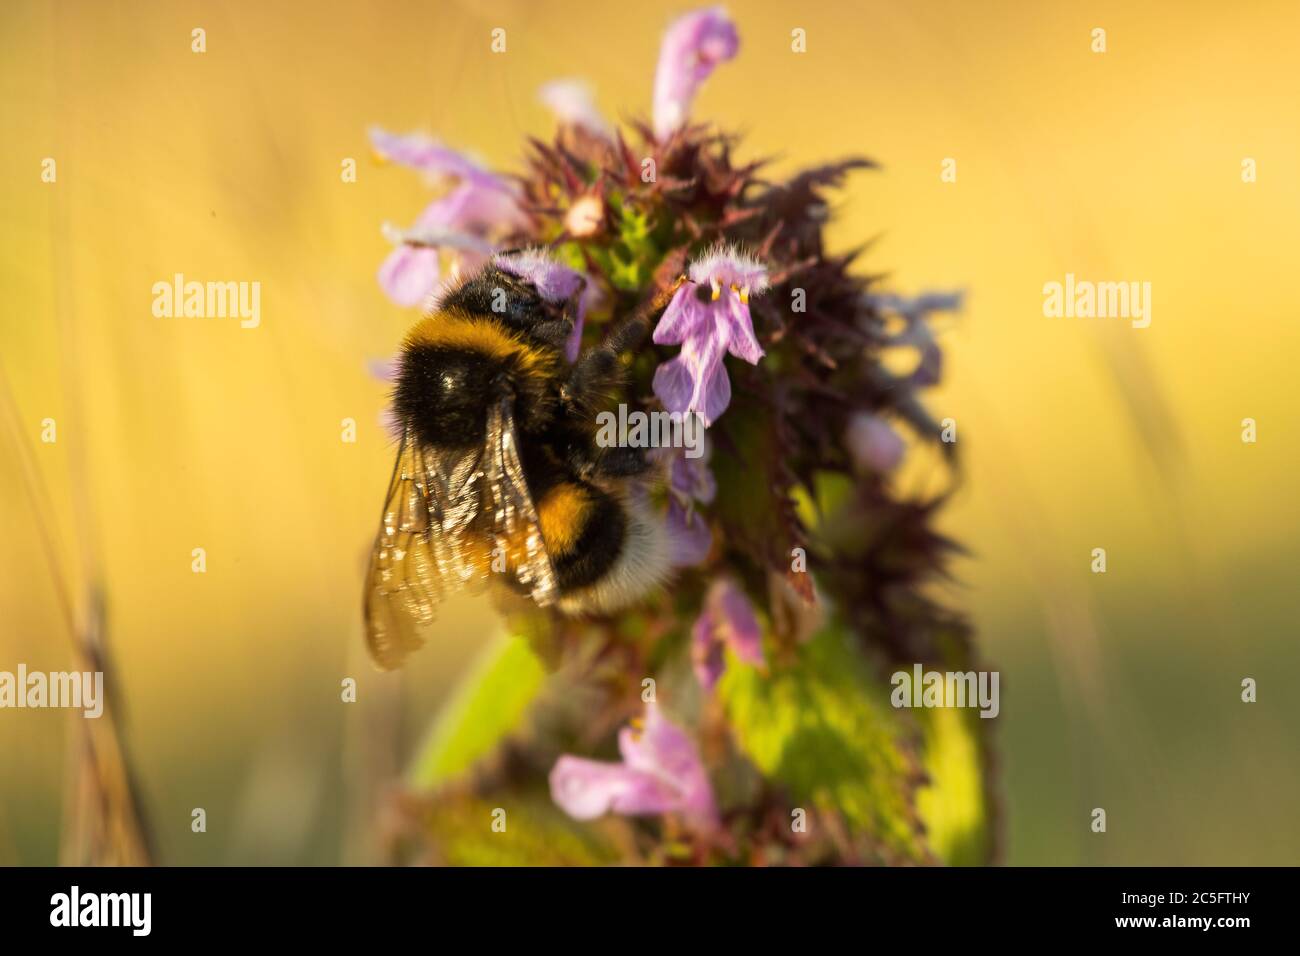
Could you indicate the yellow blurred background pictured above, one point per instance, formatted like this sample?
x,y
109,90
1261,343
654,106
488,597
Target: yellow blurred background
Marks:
x,y
1120,690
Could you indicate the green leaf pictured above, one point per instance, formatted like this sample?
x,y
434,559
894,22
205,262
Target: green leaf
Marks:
x,y
536,833
570,253
490,703
824,729
957,805
743,465
831,491
954,805
625,275
634,229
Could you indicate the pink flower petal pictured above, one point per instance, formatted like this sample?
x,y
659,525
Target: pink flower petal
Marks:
x,y
689,536
661,772
591,298
727,619
664,750
707,658
691,477
713,389
420,152
554,281
573,345
409,274
692,47
573,104
586,789
674,385
709,317
684,313
473,208
739,625
741,341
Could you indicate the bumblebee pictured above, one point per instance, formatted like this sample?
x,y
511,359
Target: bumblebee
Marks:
x,y
498,474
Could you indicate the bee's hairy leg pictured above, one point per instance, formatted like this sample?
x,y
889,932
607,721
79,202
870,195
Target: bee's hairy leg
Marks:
x,y
594,375
555,331
630,334
599,370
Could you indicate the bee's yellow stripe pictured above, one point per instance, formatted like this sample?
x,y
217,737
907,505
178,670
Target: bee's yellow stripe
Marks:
x,y
454,329
562,515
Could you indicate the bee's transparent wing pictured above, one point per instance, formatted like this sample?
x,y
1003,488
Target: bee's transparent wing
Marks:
x,y
514,525
420,552
442,511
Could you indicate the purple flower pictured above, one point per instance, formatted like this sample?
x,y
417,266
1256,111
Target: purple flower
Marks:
x,y
412,270
419,152
709,317
693,46
590,298
872,444
727,620
661,772
690,482
463,222
557,284
409,274
572,103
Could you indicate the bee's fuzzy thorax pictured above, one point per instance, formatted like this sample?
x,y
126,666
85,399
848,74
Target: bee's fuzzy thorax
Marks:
x,y
457,329
454,363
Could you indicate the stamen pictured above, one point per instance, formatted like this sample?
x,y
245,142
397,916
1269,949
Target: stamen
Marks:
x,y
717,289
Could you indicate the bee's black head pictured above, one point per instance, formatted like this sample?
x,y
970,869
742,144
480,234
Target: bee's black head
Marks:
x,y
512,296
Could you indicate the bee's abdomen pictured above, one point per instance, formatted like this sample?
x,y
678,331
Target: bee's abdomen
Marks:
x,y
585,531
607,549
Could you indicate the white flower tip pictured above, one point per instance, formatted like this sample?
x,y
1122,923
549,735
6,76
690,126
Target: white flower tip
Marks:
x,y
727,265
585,216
